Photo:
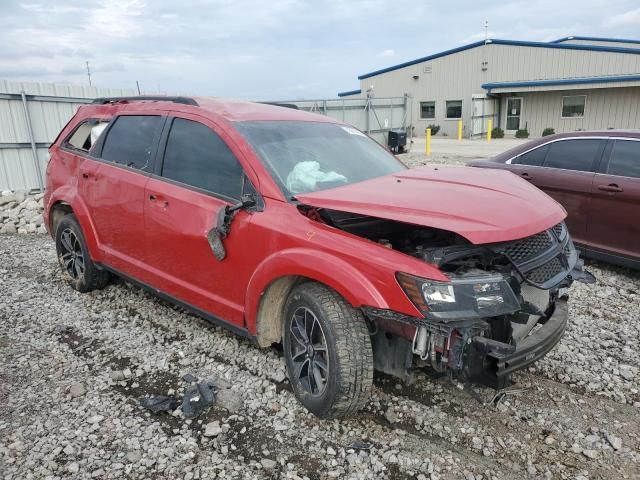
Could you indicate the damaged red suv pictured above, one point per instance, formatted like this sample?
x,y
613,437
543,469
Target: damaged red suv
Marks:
x,y
286,226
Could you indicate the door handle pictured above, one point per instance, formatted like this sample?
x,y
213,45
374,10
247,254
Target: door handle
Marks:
x,y
612,187
526,176
153,197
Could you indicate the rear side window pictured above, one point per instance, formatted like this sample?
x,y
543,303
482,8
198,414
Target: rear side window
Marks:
x,y
197,156
85,135
573,154
130,140
625,159
534,157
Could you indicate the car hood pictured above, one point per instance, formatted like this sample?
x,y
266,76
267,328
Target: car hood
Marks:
x,y
484,206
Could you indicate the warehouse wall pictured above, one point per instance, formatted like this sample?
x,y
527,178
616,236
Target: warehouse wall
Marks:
x,y
459,76
604,108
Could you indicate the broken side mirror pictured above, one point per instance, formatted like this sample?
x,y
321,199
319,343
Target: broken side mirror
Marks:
x,y
223,224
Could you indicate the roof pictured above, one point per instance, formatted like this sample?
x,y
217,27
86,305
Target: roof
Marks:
x,y
518,43
562,81
596,39
350,92
230,110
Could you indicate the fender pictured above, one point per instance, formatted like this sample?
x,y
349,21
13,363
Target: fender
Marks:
x,y
69,195
321,266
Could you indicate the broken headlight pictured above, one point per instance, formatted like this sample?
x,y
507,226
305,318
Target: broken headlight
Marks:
x,y
463,297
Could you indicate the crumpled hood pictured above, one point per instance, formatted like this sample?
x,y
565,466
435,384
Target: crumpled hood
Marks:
x,y
482,205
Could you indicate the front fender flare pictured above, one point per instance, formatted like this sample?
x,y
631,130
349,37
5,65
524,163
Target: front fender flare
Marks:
x,y
317,265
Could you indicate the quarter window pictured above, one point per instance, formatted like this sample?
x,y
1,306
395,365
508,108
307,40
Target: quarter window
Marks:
x,y
454,109
130,140
428,110
573,154
625,159
85,136
534,157
197,156
573,106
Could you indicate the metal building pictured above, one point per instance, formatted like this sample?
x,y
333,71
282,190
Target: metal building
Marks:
x,y
573,83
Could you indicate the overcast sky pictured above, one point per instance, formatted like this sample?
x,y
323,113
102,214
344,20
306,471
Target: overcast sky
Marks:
x,y
269,49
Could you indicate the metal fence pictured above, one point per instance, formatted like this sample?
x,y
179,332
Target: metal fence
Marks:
x,y
375,116
31,116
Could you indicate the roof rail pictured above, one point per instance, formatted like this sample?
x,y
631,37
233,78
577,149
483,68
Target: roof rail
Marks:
x,y
280,104
141,98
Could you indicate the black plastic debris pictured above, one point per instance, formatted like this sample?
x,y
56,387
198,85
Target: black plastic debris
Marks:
x,y
159,403
198,398
360,446
189,378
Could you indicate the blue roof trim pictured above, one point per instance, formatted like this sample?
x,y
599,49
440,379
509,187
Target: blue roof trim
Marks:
x,y
562,81
596,39
518,43
350,92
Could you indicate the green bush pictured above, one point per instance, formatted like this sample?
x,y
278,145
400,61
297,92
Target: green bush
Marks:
x,y
548,131
497,133
522,133
434,128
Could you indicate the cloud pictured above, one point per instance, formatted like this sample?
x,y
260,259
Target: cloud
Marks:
x,y
626,19
274,49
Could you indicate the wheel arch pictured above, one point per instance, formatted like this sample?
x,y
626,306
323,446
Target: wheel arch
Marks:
x,y
276,276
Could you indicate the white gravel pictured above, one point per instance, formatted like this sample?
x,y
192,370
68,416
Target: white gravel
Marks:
x,y
73,368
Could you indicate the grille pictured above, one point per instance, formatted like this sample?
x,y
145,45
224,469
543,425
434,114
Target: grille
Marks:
x,y
528,247
545,272
558,230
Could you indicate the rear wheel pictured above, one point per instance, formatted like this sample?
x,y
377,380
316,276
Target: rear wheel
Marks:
x,y
74,257
327,351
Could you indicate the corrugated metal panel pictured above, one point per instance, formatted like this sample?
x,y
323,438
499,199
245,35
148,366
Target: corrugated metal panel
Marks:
x,y
48,116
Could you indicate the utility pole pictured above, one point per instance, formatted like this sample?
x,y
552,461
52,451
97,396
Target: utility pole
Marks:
x,y
88,72
486,31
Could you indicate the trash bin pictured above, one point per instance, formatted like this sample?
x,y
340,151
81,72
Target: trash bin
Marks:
x,y
397,140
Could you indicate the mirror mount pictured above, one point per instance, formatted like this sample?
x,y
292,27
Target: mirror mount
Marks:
x,y
223,224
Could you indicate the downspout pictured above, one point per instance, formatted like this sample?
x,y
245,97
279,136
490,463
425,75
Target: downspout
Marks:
x,y
34,150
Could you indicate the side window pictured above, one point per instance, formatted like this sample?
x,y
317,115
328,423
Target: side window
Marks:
x,y
197,156
130,140
85,135
534,157
573,154
625,159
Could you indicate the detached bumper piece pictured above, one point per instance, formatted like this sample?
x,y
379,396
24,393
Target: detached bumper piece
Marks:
x,y
490,362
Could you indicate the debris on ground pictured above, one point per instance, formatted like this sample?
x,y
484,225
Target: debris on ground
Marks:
x,y
159,403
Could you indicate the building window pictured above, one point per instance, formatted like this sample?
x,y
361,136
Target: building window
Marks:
x,y
573,106
454,109
428,110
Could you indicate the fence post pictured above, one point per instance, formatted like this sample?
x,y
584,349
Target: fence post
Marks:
x,y
489,129
34,150
459,129
427,145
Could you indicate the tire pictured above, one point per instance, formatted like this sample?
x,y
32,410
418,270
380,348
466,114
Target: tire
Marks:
x,y
74,257
342,370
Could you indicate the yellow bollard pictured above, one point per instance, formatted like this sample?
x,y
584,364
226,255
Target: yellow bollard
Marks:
x,y
489,129
427,145
459,129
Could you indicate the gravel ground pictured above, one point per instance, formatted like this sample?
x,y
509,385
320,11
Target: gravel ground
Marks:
x,y
75,366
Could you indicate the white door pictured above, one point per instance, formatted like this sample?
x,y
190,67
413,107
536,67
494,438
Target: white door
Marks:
x,y
514,112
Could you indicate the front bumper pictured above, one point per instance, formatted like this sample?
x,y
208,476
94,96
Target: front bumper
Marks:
x,y
499,359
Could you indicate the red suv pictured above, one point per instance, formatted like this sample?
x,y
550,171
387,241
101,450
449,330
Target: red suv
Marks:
x,y
286,226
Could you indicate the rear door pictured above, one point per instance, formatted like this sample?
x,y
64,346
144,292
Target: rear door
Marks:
x,y
114,189
564,169
199,176
615,209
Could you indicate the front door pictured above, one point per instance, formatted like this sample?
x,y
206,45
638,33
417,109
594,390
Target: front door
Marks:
x,y
613,217
198,177
113,189
514,112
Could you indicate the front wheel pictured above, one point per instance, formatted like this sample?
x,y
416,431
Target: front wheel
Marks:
x,y
327,350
